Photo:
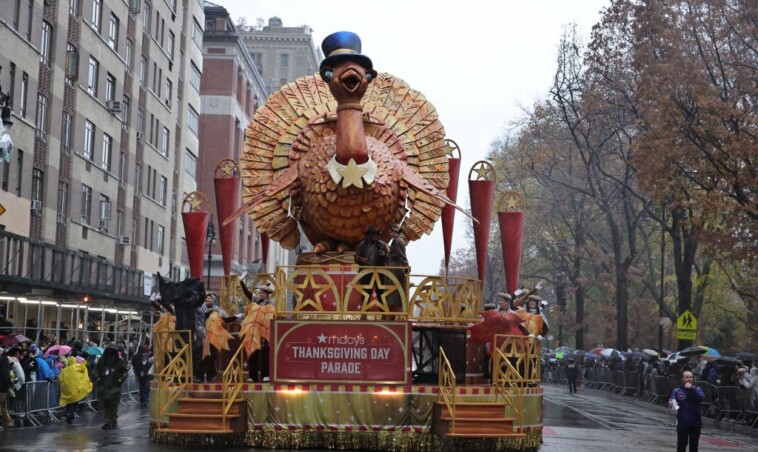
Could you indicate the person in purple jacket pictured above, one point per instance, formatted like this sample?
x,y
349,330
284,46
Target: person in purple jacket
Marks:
x,y
686,400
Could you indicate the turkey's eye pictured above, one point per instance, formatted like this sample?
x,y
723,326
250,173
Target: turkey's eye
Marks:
x,y
327,75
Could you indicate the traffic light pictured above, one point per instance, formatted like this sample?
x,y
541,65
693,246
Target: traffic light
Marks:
x,y
86,299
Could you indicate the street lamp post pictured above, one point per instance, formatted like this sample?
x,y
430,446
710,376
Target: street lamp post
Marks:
x,y
210,236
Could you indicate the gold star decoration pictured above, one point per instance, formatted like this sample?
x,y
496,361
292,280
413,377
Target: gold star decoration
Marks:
x,y
308,290
228,168
512,201
352,174
484,171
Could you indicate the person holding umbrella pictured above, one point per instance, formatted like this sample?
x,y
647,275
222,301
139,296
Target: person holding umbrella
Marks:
x,y
686,400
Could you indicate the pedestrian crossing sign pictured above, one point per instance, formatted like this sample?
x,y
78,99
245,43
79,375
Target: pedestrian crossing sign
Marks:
x,y
686,322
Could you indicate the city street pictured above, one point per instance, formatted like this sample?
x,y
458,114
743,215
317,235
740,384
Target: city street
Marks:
x,y
589,421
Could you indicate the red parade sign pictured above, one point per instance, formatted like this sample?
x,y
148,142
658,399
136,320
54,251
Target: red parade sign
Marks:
x,y
341,352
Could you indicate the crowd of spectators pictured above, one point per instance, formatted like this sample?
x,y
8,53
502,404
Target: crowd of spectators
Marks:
x,y
31,365
731,385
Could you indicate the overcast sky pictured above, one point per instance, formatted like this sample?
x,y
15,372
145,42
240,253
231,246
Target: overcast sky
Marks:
x,y
479,62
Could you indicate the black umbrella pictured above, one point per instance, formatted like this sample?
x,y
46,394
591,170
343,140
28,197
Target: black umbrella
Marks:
x,y
727,360
692,351
746,356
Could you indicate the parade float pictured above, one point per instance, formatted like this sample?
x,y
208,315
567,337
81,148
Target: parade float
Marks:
x,y
359,357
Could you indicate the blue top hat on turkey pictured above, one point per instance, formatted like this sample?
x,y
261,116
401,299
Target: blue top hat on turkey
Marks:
x,y
344,46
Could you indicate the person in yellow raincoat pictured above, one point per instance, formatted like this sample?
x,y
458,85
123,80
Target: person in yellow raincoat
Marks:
x,y
75,385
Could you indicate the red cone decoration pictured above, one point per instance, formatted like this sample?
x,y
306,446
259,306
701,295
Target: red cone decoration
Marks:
x,y
510,215
195,221
482,193
227,183
448,212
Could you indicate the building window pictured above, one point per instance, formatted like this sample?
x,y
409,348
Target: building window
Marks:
x,y
192,120
23,94
41,115
29,16
160,240
86,203
105,212
125,111
169,91
107,148
197,34
92,75
72,64
190,164
194,76
16,14
62,202
45,41
113,33
89,139
119,223
37,188
258,61
110,87
284,63
142,69
162,191
164,142
122,169
73,7
170,44
66,125
129,51
146,18
97,14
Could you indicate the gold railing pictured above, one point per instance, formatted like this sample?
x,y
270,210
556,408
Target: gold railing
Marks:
x,y
232,382
447,386
516,365
343,291
173,367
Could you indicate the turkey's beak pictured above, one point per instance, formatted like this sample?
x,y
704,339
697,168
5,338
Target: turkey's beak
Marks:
x,y
351,80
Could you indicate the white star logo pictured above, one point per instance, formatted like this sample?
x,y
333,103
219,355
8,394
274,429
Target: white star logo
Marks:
x,y
321,339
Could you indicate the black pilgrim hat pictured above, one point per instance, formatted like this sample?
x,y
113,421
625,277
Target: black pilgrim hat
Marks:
x,y
344,45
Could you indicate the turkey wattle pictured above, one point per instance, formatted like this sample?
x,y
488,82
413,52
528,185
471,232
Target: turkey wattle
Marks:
x,y
343,149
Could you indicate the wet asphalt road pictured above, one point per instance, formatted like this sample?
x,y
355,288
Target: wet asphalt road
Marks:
x,y
589,421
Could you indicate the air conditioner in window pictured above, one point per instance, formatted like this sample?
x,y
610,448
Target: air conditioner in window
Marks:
x,y
114,106
36,205
140,135
125,240
168,102
134,6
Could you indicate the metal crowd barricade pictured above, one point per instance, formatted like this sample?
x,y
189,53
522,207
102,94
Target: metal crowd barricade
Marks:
x,y
649,394
730,403
34,399
129,387
631,383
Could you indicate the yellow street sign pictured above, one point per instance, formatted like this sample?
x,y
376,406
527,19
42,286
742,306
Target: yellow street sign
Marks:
x,y
686,322
2,209
688,335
